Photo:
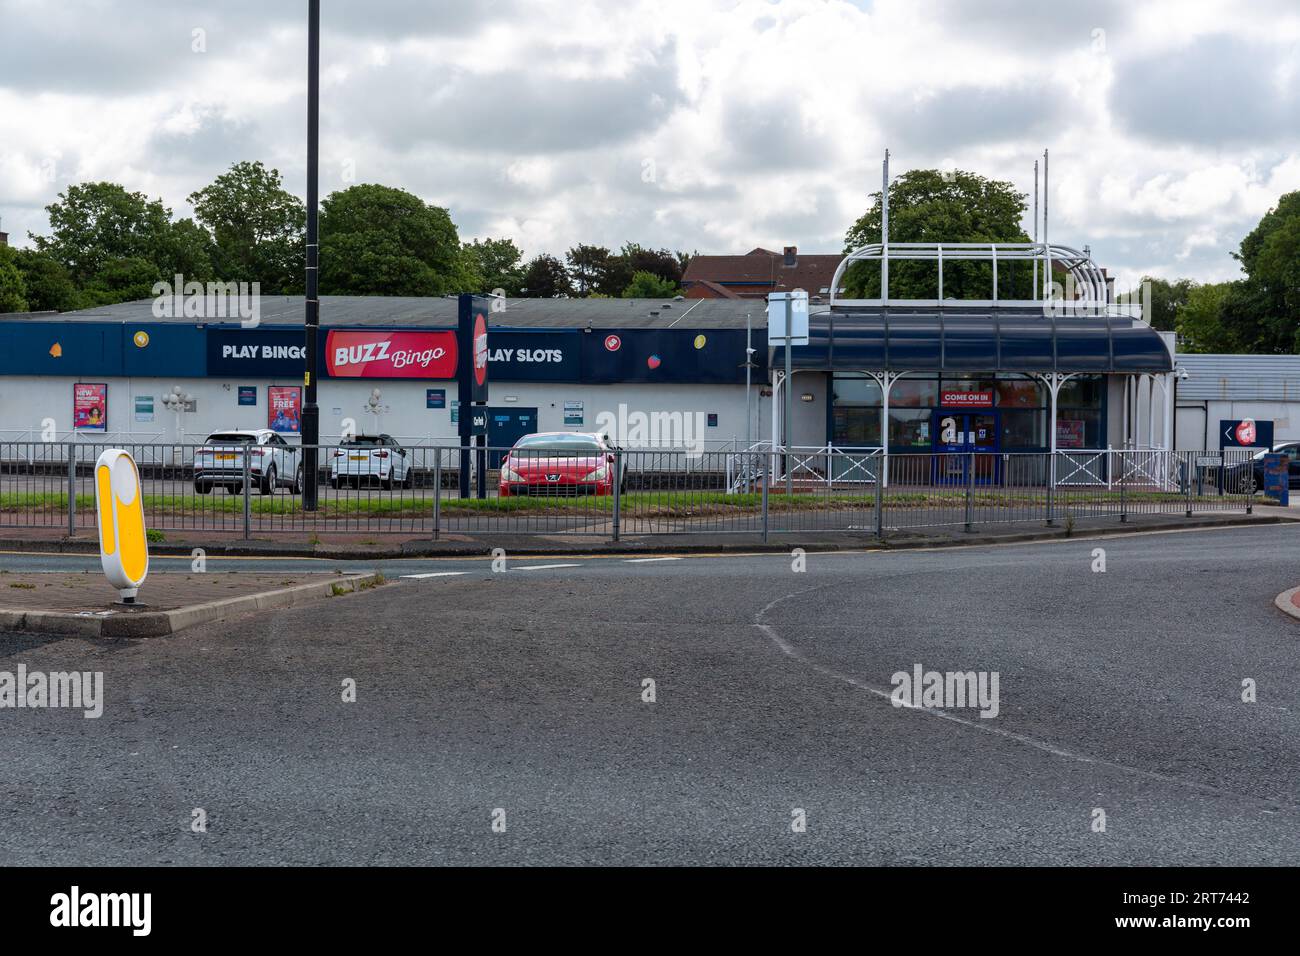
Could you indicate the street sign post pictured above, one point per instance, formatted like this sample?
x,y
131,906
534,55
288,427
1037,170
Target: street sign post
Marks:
x,y
787,325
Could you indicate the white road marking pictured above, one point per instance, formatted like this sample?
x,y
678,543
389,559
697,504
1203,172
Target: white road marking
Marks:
x,y
793,653
434,574
647,560
543,567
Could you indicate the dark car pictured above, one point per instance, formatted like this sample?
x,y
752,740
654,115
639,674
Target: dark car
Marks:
x,y
1250,473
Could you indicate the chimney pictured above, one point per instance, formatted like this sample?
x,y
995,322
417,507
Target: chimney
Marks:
x,y
791,257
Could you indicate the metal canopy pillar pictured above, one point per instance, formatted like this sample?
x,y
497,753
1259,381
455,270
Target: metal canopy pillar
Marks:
x,y
886,382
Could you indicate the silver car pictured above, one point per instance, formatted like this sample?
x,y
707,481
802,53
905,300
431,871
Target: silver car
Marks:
x,y
272,462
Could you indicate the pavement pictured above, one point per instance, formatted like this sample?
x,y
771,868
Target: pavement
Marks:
x,y
376,544
519,697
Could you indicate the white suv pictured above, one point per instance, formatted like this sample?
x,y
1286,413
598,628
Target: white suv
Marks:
x,y
367,458
272,462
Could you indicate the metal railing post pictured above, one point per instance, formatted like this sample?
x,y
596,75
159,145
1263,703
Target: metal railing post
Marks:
x,y
1123,495
1051,488
880,499
72,489
970,489
766,481
437,492
248,480
618,490
1191,461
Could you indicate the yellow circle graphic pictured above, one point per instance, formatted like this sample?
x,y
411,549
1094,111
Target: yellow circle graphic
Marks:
x,y
699,341
141,339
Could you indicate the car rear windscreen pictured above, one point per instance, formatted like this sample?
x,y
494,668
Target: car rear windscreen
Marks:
x,y
362,440
228,438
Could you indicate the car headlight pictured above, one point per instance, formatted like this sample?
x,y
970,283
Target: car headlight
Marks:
x,y
509,474
600,474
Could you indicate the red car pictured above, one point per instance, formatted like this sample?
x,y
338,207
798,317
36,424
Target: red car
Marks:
x,y
559,463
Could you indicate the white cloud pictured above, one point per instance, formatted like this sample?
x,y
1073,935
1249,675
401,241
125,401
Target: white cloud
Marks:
x,y
1171,123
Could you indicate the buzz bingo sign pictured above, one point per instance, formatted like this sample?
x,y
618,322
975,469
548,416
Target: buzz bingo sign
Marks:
x,y
123,548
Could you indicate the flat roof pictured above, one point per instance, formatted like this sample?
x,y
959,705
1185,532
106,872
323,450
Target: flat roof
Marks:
x,y
441,312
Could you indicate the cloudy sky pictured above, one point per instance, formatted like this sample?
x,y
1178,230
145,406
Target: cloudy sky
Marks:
x,y
1173,125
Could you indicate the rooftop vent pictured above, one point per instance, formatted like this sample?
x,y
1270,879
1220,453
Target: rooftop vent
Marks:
x,y
791,256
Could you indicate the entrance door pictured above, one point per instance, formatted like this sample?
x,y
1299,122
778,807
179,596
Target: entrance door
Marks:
x,y
505,427
963,439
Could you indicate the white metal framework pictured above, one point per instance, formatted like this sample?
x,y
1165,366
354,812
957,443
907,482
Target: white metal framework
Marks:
x,y
1088,278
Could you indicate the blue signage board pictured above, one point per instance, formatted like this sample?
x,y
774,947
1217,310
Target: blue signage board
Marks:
x,y
553,355
1277,478
435,398
709,357
1245,433
248,395
273,353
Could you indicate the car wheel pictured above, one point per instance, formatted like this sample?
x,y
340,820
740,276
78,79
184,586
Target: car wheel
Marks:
x,y
387,483
202,487
296,487
410,478
268,482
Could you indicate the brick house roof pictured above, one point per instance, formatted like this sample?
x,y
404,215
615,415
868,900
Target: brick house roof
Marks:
x,y
757,273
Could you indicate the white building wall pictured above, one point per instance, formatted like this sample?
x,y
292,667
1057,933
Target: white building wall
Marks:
x,y
28,402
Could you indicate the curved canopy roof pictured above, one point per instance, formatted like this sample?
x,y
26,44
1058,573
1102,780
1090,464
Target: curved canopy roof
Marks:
x,y
991,340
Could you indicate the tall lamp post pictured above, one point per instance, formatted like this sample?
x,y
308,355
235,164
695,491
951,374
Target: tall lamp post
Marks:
x,y
310,410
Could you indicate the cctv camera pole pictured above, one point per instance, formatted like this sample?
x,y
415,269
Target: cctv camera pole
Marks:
x,y
310,410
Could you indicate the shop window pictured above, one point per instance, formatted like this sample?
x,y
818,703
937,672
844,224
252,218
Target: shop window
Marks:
x,y
914,393
1020,393
909,429
1078,428
1023,428
856,391
1082,391
856,427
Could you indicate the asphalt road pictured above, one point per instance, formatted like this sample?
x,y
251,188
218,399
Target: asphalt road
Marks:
x,y
1118,691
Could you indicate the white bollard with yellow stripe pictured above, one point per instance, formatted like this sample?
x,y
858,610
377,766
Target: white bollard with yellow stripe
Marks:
x,y
123,547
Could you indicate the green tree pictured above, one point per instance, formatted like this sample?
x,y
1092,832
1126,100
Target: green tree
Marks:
x,y
121,280
926,205
187,249
49,287
94,223
498,262
377,240
587,267
1167,300
257,228
1263,313
546,278
13,290
1200,327
647,285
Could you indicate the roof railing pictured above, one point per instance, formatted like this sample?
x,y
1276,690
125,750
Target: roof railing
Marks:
x,y
1088,279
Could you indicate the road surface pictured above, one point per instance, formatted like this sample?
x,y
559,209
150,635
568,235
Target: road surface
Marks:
x,y
519,697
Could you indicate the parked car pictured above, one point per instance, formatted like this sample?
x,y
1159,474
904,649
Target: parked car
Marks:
x,y
371,458
560,463
272,462
1253,468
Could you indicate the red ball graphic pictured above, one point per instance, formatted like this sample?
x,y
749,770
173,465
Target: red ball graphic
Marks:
x,y
653,361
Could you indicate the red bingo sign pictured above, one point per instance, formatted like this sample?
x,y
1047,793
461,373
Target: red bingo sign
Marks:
x,y
364,354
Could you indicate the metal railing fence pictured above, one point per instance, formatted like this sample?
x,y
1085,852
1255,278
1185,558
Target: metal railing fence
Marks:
x,y
415,490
